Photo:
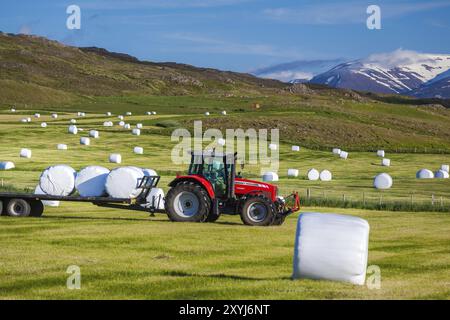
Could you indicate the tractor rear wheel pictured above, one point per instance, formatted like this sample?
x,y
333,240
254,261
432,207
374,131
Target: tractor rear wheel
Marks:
x,y
257,211
188,202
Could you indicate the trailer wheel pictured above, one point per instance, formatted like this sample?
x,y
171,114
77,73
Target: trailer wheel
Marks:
x,y
18,208
187,202
257,211
1,207
37,208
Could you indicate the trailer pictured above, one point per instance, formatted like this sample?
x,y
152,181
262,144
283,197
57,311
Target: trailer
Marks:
x,y
27,204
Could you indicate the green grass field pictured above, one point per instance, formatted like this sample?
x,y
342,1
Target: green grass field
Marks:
x,y
129,255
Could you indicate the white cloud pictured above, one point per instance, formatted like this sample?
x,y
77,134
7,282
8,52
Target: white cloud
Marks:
x,y
287,75
170,4
400,57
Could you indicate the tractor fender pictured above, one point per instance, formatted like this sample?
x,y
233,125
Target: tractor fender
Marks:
x,y
197,179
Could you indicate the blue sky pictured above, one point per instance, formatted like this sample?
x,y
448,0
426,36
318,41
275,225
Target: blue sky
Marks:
x,y
239,35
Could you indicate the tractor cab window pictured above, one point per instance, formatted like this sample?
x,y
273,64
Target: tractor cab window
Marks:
x,y
212,169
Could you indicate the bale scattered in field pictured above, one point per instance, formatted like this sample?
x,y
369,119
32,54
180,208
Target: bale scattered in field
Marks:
x,y
383,181
445,167
273,146
94,134
25,153
120,117
46,203
292,173
81,114
295,148
206,113
424,174
127,126
337,151
7,165
54,116
221,141
139,125
325,175
108,114
37,115
270,176
73,121
108,124
43,125
138,150
313,174
224,113
128,114
149,113
331,247
136,132
155,198
85,141
385,162
13,110
28,119
115,158
58,180
441,174
343,155
123,182
73,129
154,112
61,146
90,181
24,120
121,123
380,153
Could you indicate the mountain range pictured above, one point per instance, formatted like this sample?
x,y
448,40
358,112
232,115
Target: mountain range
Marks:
x,y
399,72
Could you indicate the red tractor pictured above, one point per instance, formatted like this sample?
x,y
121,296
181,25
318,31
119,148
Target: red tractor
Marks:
x,y
212,188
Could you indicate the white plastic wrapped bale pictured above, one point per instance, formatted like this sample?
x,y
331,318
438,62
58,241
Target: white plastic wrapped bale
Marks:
x,y
337,151
295,148
155,198
108,114
127,126
138,150
25,153
149,113
325,175
73,121
115,158
108,124
136,132
385,162
13,110
120,117
90,181
149,172
383,181
139,125
61,146
28,119
43,125
221,141
121,123
273,146
123,182
441,174
54,116
445,167
343,155
58,180
85,141
73,129
24,120
270,176
153,112
94,134
331,247
128,113
46,203
292,173
207,113
380,153
82,114
313,174
224,113
7,165
424,174
37,115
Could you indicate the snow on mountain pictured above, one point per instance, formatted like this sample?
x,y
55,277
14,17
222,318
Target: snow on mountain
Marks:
x,y
297,71
439,87
401,71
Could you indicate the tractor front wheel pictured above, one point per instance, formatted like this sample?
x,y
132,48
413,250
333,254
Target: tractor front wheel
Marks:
x,y
257,211
187,202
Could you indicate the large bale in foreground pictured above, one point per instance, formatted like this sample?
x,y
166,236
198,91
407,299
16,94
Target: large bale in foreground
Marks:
x,y
424,174
58,180
331,247
90,181
47,203
123,182
155,198
149,172
383,181
7,165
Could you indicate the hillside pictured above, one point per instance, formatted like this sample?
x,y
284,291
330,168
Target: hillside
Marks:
x,y
38,70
